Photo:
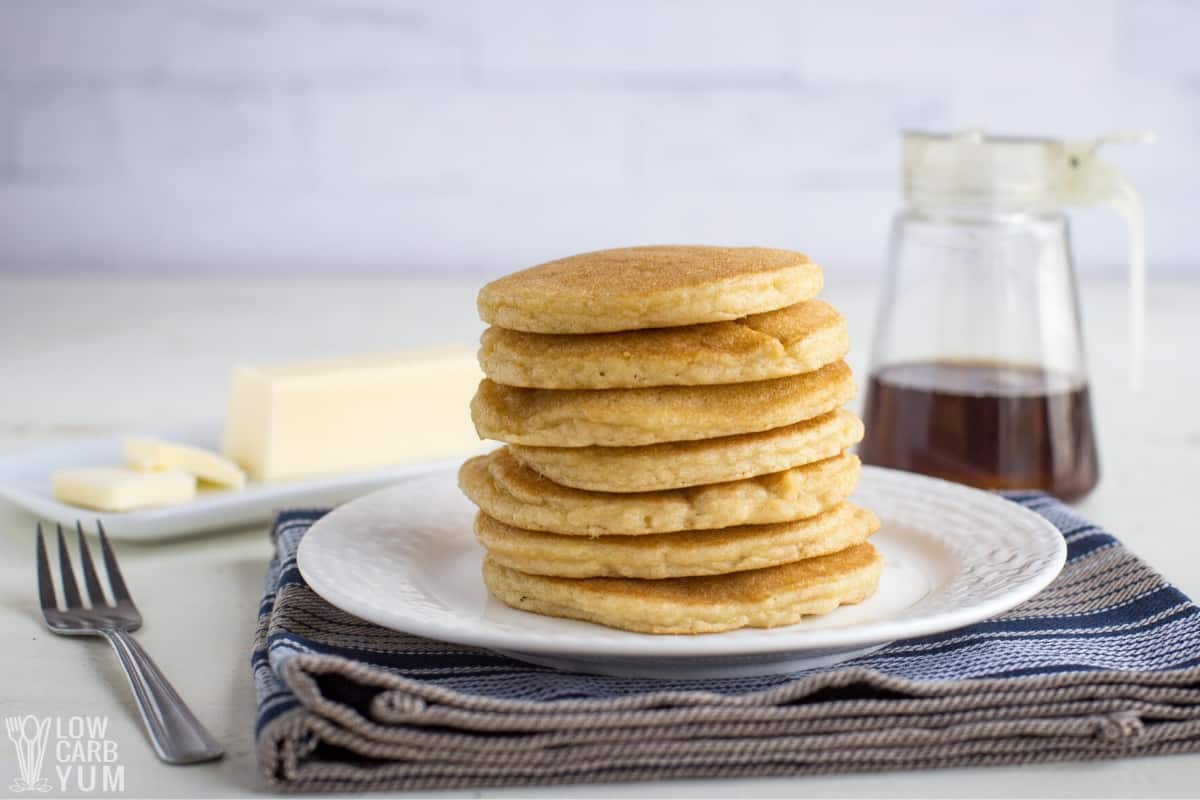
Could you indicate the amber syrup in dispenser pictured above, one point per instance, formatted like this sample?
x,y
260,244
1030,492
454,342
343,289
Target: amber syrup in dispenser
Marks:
x,y
989,425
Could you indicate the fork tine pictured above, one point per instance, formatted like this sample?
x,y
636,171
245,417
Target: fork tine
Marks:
x,y
45,582
115,581
69,587
90,581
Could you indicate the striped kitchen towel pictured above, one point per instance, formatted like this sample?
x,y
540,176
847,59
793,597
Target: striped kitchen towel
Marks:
x,y
1104,663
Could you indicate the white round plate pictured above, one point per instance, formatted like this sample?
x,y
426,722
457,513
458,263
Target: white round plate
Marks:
x,y
406,558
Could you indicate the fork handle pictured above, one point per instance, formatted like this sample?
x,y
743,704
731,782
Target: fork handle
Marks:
x,y
177,736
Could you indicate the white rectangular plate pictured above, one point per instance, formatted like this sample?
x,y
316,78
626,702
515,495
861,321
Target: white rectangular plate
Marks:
x,y
25,481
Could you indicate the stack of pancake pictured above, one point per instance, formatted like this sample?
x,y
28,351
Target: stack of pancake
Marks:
x,y
676,458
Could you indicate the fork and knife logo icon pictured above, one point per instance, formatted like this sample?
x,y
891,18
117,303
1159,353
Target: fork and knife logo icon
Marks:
x,y
29,735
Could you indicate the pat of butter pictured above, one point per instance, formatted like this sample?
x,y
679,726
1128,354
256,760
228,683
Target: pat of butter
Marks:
x,y
323,417
121,489
156,455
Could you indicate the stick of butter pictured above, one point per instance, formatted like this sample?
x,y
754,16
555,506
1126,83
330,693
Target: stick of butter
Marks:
x,y
317,418
122,489
156,455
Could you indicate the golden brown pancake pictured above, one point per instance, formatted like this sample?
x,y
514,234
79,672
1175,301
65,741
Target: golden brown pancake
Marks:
x,y
672,465
632,288
760,598
672,555
788,341
621,417
518,496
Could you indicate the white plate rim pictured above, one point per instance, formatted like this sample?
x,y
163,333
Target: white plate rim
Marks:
x,y
310,563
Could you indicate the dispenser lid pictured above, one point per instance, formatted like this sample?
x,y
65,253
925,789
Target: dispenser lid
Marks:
x,y
1006,173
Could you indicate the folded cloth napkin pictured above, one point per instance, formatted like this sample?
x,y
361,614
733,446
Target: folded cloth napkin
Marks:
x,y
1102,664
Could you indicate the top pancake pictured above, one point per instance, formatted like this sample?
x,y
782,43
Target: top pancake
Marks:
x,y
787,341
658,286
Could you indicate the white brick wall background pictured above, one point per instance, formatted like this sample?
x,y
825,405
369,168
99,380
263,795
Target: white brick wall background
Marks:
x,y
197,136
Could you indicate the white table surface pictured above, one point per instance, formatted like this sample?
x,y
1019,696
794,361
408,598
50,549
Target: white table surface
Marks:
x,y
81,357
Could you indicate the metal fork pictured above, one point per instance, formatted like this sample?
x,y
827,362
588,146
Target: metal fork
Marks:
x,y
176,734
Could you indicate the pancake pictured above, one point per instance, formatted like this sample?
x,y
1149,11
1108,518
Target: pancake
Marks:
x,y
620,417
632,288
673,555
788,341
672,465
520,497
760,598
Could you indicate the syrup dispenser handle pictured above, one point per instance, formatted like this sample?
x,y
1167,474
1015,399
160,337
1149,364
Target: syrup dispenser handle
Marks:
x,y
1086,180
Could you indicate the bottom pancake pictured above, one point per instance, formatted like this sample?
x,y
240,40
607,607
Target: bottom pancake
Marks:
x,y
674,555
760,598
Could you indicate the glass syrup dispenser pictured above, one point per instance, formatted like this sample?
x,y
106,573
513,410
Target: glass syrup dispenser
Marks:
x,y
978,372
